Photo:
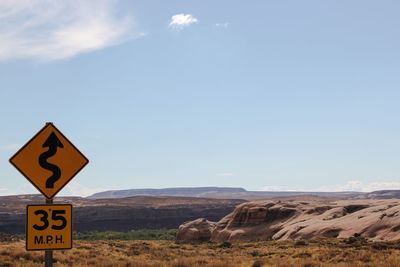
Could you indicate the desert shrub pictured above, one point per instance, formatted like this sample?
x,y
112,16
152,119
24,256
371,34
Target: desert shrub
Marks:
x,y
225,244
143,234
355,241
300,242
257,263
380,246
254,253
6,237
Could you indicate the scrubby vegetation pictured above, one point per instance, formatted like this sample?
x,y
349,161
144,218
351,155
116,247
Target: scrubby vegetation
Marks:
x,y
144,234
162,253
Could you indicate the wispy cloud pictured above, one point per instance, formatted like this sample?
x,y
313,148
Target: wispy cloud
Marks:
x,y
180,21
353,185
357,185
225,174
223,25
77,189
50,30
277,188
10,147
5,192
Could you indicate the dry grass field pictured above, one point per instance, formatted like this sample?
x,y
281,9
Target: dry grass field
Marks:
x,y
331,252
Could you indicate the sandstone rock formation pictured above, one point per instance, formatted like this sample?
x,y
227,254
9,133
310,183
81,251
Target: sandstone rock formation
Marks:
x,y
195,231
281,220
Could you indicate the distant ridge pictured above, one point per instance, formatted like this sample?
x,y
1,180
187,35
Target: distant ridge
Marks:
x,y
230,193
383,194
173,191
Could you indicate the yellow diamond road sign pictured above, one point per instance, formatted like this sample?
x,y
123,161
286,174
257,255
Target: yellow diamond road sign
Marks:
x,y
48,227
49,160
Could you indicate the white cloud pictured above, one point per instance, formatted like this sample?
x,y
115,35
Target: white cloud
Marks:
x,y
50,30
10,147
353,185
222,25
368,187
278,188
73,188
76,189
225,174
5,192
179,21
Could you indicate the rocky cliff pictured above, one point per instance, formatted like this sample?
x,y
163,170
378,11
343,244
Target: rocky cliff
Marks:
x,y
281,220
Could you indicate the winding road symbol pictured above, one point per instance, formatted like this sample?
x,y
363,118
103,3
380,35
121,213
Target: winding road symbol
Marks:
x,y
49,160
52,143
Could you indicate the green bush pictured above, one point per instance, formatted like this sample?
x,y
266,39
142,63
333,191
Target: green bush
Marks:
x,y
143,234
225,244
300,242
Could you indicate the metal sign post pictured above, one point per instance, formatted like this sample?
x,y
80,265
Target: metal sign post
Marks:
x,y
48,254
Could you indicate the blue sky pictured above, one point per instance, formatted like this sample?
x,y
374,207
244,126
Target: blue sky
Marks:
x,y
273,95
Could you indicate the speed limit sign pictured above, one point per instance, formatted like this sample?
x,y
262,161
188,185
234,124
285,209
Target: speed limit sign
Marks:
x,y
49,161
48,227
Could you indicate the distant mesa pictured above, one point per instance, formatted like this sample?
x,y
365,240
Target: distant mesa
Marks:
x,y
239,193
174,191
265,214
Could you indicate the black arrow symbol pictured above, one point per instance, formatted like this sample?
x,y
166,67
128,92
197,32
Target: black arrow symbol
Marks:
x,y
52,143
